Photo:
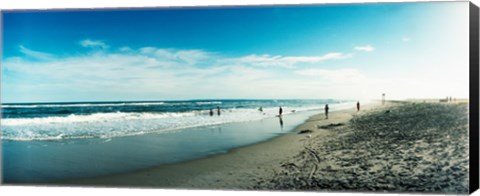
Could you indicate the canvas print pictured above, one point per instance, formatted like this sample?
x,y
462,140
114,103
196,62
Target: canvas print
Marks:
x,y
329,97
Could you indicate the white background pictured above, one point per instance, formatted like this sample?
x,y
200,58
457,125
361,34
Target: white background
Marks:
x,y
71,191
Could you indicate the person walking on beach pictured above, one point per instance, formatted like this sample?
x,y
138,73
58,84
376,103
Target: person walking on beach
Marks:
x,y
358,106
326,111
218,110
280,111
211,112
281,122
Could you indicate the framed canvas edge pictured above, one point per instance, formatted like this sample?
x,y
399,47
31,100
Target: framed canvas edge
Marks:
x,y
474,68
474,98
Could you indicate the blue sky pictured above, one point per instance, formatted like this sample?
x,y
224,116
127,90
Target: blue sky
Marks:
x,y
356,51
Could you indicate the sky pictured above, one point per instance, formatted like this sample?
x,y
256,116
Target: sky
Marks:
x,y
344,51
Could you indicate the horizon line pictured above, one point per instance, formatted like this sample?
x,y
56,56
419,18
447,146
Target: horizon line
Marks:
x,y
166,100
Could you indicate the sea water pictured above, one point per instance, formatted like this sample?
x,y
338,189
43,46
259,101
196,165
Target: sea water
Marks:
x,y
45,142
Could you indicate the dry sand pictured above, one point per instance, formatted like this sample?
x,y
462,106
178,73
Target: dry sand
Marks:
x,y
403,147
419,147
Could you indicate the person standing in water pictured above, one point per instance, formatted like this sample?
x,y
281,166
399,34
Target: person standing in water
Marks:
x,y
326,111
218,110
211,112
280,111
358,106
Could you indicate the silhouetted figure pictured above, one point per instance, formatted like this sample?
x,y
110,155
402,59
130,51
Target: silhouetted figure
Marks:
x,y
383,99
358,106
281,122
260,109
280,111
218,111
211,112
326,111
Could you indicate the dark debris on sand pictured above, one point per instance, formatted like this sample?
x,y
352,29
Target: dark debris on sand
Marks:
x,y
329,126
412,148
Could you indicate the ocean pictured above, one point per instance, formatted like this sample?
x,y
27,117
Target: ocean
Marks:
x,y
44,142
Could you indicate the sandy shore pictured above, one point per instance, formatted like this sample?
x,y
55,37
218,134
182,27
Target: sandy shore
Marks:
x,y
241,168
402,147
419,147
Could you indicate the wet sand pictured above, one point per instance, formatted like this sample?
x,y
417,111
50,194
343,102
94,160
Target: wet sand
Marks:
x,y
401,146
240,168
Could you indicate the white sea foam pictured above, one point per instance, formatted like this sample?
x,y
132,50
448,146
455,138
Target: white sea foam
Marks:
x,y
208,102
91,118
108,125
81,105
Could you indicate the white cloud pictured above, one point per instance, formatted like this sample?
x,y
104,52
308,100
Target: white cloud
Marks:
x,y
157,73
189,57
192,56
36,54
405,39
334,75
143,70
284,61
367,48
87,43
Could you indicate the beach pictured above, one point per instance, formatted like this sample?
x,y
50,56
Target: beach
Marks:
x,y
397,147
239,169
403,147
100,139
